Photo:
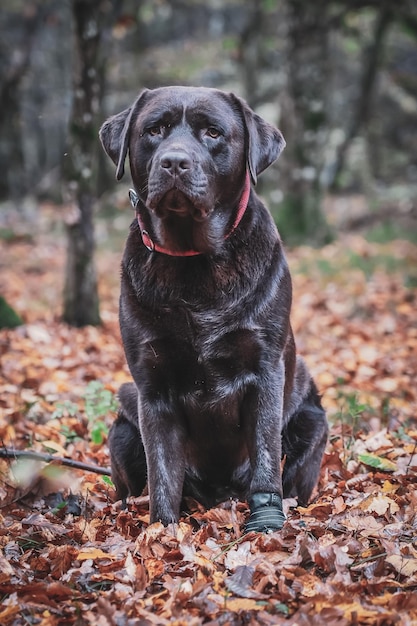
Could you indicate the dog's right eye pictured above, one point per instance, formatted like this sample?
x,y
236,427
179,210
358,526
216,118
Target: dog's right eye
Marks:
x,y
155,130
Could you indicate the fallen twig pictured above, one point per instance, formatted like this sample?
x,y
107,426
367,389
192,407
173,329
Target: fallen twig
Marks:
x,y
11,453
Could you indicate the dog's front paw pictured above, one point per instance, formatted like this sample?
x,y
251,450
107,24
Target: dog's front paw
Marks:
x,y
266,514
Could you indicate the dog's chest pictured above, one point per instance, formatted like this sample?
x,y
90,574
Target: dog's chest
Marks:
x,y
203,363
197,340
205,383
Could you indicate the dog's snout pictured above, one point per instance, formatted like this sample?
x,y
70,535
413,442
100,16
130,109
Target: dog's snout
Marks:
x,y
176,161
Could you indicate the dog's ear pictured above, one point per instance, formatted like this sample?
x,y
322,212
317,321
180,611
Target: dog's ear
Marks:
x,y
264,142
115,132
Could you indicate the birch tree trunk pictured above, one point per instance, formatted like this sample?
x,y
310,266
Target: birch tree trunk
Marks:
x,y
81,305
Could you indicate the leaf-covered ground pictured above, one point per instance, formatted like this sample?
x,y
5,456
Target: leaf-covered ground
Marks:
x,y
70,555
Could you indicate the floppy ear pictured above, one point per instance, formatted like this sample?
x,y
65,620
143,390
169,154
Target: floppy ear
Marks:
x,y
115,132
264,142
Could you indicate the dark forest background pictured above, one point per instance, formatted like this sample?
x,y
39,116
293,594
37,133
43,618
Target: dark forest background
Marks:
x,y
338,77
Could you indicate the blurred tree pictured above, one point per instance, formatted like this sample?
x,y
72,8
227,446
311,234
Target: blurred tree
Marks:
x,y
18,25
372,60
322,63
92,19
305,119
252,51
338,77
312,164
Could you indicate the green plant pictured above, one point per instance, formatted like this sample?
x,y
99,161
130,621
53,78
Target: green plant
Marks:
x,y
99,401
282,608
369,264
351,410
59,507
401,432
8,316
65,409
108,481
69,434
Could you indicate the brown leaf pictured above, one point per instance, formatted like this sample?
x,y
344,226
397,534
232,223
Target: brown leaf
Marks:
x,y
404,565
239,555
8,613
154,568
367,525
380,505
241,582
153,575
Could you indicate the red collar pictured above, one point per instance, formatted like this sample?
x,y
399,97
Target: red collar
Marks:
x,y
155,247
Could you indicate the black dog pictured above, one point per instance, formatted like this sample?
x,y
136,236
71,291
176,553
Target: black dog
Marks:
x,y
219,396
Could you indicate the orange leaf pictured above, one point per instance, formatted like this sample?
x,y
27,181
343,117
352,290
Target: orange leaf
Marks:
x,y
154,568
93,553
244,604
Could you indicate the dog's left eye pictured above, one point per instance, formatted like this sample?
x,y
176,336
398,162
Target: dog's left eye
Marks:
x,y
212,132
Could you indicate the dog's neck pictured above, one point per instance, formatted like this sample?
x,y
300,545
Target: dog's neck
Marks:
x,y
155,247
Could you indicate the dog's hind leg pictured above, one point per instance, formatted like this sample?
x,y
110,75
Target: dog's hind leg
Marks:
x,y
304,438
128,462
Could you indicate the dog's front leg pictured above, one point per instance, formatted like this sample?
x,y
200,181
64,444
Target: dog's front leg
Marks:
x,y
264,418
163,440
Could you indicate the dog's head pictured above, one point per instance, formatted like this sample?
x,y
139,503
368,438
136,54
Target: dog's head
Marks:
x,y
189,150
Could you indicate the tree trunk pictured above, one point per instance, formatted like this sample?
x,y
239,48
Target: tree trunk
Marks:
x,y
81,304
250,51
15,51
371,63
305,123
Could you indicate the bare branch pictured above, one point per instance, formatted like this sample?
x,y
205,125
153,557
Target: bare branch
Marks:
x,y
11,453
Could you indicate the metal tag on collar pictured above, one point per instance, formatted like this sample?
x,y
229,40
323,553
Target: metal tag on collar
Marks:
x,y
147,241
134,198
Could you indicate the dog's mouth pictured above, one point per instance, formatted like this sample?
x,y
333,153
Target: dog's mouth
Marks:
x,y
176,202
180,222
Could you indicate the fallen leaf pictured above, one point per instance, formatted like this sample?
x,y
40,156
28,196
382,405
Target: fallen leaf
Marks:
x,y
154,568
8,613
241,555
381,504
243,604
93,554
240,583
333,561
56,447
406,566
366,524
378,462
388,385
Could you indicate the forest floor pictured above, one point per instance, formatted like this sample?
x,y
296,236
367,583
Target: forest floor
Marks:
x,y
70,555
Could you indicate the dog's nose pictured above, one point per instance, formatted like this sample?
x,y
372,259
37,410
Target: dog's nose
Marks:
x,y
176,162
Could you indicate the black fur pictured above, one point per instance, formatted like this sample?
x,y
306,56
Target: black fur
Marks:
x,y
219,396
